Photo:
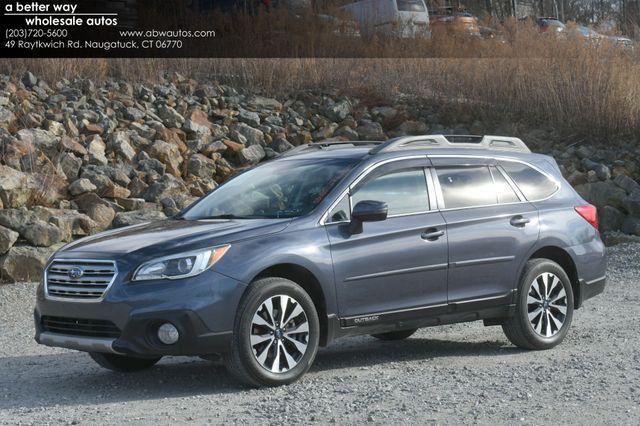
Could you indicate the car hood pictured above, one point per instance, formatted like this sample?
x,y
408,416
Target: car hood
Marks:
x,y
175,235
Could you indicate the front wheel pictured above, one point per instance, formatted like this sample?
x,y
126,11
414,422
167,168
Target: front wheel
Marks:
x,y
544,308
276,334
122,363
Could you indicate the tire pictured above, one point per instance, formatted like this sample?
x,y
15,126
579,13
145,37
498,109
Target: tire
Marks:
x,y
539,321
265,352
121,363
395,335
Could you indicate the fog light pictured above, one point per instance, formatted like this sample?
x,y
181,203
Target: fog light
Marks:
x,y
168,333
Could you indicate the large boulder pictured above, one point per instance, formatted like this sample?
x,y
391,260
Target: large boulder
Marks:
x,y
7,117
610,218
602,194
69,165
281,144
338,111
626,183
261,102
631,203
167,186
14,188
41,234
81,186
201,166
36,231
24,263
73,146
251,155
631,225
137,216
119,144
170,117
197,123
168,154
370,131
249,117
96,149
252,135
97,209
8,238
71,223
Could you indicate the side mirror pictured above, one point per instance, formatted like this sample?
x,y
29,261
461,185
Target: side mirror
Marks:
x,y
367,211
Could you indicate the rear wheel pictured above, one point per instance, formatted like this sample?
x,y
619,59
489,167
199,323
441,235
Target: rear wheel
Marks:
x,y
544,308
276,334
122,363
395,335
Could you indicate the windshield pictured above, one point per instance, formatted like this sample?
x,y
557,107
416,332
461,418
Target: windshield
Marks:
x,y
280,189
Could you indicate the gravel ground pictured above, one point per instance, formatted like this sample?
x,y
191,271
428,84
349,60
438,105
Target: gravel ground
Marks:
x,y
463,373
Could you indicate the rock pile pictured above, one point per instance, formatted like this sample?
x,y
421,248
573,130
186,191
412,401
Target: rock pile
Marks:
x,y
77,158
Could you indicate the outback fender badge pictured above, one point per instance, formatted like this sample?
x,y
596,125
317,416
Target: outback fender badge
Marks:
x,y
368,319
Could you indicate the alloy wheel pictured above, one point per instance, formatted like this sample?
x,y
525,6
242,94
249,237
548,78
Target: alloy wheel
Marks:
x,y
547,305
279,333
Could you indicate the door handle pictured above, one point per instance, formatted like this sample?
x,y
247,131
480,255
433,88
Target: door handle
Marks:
x,y
519,221
432,234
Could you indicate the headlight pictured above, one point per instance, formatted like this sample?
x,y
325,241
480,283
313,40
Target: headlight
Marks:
x,y
181,265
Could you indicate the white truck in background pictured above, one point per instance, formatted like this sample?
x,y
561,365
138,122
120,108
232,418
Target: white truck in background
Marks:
x,y
390,18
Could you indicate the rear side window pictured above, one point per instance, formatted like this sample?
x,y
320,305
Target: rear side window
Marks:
x,y
533,184
505,192
466,186
410,6
404,191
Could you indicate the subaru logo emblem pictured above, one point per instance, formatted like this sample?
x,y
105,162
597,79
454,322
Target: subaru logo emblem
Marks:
x,y
75,273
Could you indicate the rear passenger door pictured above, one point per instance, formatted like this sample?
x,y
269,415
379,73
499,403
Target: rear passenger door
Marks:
x,y
490,228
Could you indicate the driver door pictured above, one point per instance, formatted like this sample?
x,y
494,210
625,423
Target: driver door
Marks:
x,y
397,264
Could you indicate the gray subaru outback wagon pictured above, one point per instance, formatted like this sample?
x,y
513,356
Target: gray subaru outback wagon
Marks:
x,y
329,240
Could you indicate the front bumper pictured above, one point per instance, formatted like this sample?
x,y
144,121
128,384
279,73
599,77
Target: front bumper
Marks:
x,y
202,308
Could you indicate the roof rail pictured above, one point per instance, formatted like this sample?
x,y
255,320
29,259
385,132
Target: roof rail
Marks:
x,y
326,144
500,143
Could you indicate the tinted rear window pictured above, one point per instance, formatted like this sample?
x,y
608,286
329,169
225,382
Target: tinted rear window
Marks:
x,y
411,6
533,184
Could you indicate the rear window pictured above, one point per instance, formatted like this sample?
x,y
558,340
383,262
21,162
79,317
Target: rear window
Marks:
x,y
411,6
533,184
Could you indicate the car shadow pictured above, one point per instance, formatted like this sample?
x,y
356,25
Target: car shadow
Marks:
x,y
367,351
72,378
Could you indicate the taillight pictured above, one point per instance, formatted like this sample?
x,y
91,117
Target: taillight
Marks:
x,y
589,213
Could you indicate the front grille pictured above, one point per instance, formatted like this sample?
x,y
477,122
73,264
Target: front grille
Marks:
x,y
79,279
80,327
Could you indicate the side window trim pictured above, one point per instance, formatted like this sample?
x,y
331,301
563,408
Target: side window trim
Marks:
x,y
438,189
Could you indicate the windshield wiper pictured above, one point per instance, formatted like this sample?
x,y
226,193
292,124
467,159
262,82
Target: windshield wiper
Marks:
x,y
225,216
